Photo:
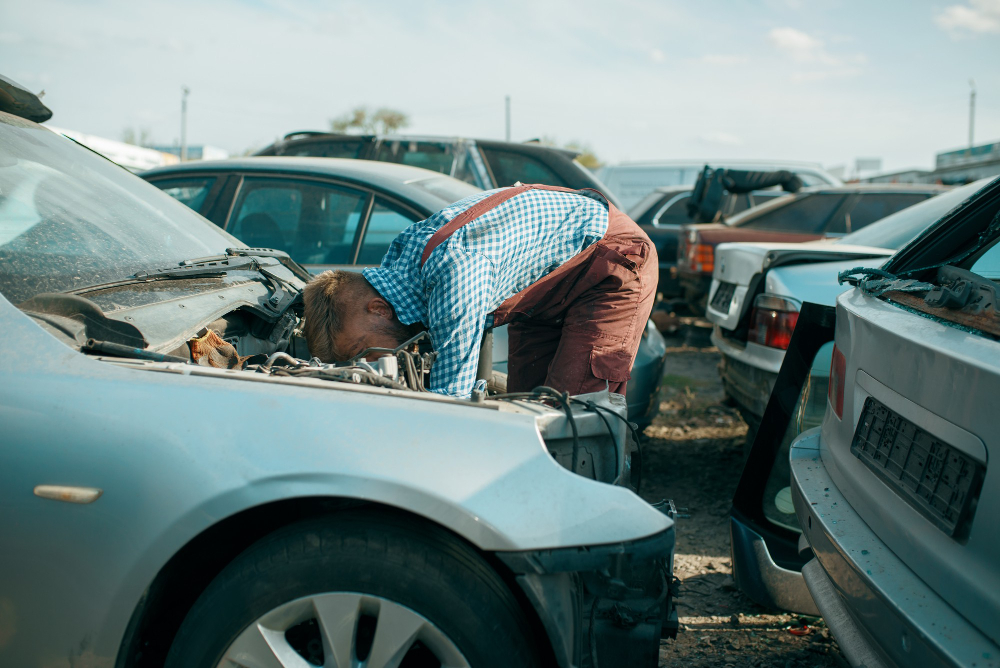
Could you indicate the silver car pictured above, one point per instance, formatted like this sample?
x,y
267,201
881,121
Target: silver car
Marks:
x,y
180,485
758,289
895,493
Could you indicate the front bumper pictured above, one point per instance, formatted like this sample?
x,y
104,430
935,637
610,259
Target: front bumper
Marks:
x,y
880,612
602,605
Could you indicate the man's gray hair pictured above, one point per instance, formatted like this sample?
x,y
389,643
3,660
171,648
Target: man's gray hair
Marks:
x,y
327,299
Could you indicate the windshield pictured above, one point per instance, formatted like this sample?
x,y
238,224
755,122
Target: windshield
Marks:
x,y
69,218
895,231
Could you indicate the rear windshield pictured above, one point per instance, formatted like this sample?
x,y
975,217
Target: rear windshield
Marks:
x,y
806,213
900,228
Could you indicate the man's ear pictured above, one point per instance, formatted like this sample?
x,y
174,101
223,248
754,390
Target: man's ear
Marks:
x,y
381,308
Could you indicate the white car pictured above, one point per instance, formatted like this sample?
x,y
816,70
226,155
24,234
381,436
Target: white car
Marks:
x,y
758,288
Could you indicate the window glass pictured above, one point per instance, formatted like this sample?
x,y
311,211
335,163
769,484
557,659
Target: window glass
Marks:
x,y
345,148
69,218
806,214
759,197
435,156
676,213
898,229
313,222
190,192
385,223
509,167
870,207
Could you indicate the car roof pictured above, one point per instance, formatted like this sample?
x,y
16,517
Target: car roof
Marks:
x,y
881,188
385,176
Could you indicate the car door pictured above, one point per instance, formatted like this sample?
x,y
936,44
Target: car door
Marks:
x,y
387,219
764,531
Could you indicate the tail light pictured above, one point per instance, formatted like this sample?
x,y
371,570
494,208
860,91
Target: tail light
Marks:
x,y
772,321
695,256
838,371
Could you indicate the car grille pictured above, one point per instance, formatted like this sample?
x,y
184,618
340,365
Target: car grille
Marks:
x,y
723,297
938,480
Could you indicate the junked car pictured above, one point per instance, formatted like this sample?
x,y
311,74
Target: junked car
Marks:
x,y
484,163
758,289
181,485
894,495
342,213
810,214
632,181
661,215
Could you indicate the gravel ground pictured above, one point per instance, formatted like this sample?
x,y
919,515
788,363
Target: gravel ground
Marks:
x,y
693,454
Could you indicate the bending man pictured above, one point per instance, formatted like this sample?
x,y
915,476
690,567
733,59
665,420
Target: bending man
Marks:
x,y
572,277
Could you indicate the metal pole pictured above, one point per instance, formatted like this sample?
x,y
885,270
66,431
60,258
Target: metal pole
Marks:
x,y
184,110
972,110
507,100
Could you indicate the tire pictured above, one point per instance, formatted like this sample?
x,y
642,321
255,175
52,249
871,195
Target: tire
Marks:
x,y
354,571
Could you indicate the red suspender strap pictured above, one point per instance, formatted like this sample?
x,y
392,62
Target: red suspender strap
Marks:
x,y
479,208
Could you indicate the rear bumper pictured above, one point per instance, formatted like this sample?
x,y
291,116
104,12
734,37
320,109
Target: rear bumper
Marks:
x,y
880,612
605,605
695,287
748,385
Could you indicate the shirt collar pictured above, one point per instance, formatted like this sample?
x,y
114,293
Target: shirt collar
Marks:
x,y
399,289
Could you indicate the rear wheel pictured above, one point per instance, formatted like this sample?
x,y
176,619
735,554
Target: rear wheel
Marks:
x,y
357,590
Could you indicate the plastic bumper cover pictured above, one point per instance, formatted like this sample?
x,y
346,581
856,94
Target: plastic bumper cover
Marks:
x,y
603,605
881,613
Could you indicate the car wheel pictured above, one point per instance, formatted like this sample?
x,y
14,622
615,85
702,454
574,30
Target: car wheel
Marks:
x,y
363,589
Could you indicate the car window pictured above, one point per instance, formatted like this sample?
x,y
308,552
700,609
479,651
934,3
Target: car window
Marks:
x,y
759,197
509,167
806,214
188,191
869,207
343,148
676,213
433,155
384,224
988,264
313,222
897,230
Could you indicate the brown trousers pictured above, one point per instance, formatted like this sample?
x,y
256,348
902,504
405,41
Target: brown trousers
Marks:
x,y
578,328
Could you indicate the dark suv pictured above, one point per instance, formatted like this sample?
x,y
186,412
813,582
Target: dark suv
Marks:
x,y
484,163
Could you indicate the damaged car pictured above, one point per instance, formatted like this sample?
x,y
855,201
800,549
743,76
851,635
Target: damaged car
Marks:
x,y
181,484
330,213
758,289
893,496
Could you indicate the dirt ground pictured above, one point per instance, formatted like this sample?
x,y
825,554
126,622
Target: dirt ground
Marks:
x,y
693,454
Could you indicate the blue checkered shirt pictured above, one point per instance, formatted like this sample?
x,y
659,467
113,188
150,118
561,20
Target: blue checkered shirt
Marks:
x,y
470,274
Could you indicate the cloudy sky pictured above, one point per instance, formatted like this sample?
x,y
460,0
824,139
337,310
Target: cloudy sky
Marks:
x,y
820,80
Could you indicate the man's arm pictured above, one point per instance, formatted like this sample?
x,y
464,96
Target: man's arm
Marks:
x,y
456,314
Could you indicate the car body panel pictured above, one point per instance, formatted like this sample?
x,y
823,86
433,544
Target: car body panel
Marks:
x,y
177,451
895,357
859,582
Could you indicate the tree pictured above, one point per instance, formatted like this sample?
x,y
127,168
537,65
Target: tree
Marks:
x,y
140,138
361,119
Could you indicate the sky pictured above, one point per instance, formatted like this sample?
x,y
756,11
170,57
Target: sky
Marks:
x,y
826,81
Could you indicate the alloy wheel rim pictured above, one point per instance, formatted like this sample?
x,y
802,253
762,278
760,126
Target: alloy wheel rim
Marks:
x,y
353,631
